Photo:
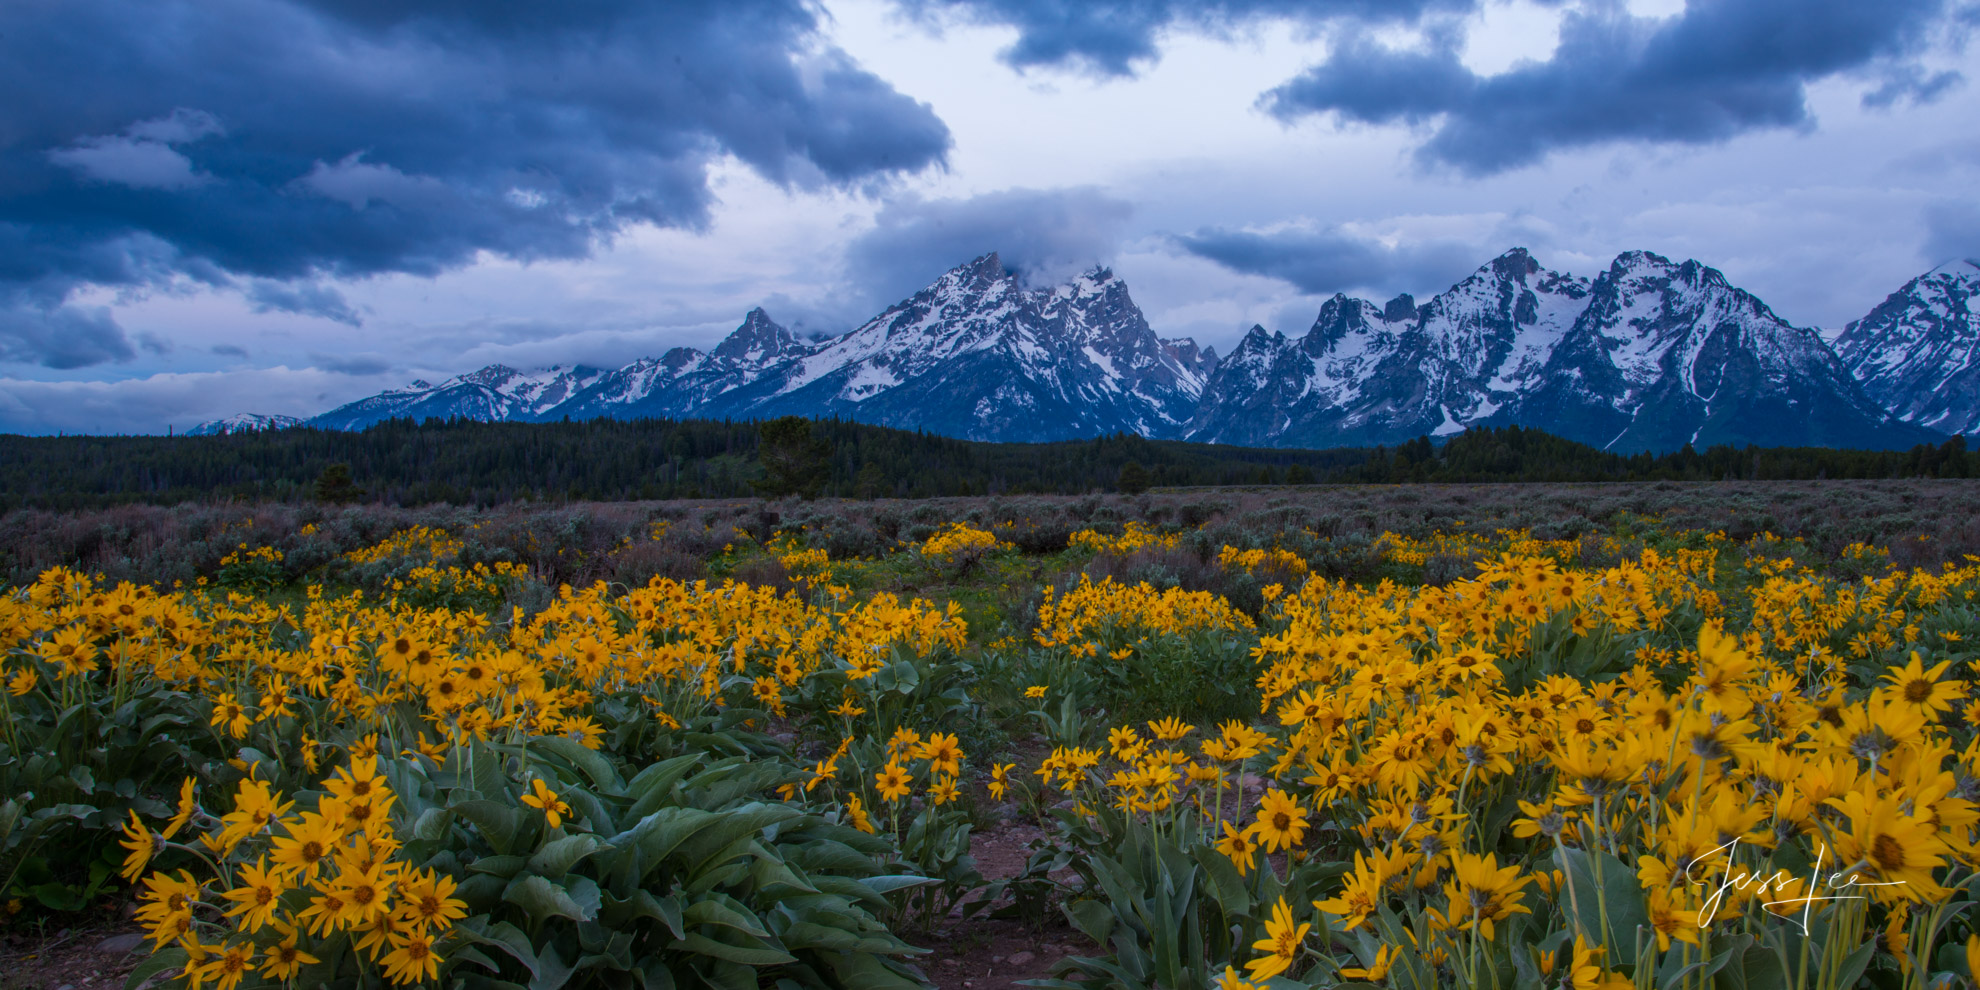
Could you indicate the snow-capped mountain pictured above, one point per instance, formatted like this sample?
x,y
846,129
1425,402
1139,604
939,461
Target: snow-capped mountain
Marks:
x,y
1918,352
1649,355
980,356
1666,354
243,423
977,354
684,381
1368,374
493,394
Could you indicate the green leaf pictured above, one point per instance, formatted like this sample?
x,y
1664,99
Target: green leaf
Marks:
x,y
655,784
10,816
501,866
498,823
1093,918
896,881
432,825
161,961
806,935
586,761
725,911
642,904
775,879
869,973
1225,882
758,955
1618,894
552,972
1855,963
558,855
506,937
543,899
711,846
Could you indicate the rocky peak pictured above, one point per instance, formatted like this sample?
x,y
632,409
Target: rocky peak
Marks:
x,y
1515,264
1400,309
1918,352
758,342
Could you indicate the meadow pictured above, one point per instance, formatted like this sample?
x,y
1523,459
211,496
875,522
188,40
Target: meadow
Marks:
x,y
1520,736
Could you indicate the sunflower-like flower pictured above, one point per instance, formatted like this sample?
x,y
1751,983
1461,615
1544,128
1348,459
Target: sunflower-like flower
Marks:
x,y
1916,685
1480,892
142,845
184,812
999,779
1236,845
412,958
1281,943
285,958
426,901
1281,822
257,896
943,753
942,791
1900,850
894,782
541,796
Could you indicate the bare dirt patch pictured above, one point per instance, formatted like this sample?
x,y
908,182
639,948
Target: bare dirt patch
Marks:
x,y
984,953
85,955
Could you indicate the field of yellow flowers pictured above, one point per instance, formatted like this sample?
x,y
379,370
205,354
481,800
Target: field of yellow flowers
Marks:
x,y
1659,759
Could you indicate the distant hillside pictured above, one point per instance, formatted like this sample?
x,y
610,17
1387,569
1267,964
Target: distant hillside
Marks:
x,y
469,462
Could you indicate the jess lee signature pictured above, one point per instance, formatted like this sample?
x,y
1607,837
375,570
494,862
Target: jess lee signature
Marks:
x,y
1778,882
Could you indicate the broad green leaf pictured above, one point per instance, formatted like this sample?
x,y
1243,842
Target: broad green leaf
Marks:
x,y
1617,894
161,961
1093,918
655,785
642,904
543,899
1225,882
896,881
725,911
558,855
758,955
501,866
432,825
498,823
552,972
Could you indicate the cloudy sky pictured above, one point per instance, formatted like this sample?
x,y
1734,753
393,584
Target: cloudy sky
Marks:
x,y
220,206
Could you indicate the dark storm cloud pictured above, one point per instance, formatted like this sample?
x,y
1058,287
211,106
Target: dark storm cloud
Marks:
x,y
61,336
308,300
1718,70
1325,262
227,141
1115,37
1047,234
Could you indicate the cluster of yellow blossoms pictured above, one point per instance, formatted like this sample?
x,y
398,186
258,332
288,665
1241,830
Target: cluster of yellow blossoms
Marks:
x,y
337,856
1697,712
1416,718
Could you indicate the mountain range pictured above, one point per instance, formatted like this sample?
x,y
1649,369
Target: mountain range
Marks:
x,y
1648,355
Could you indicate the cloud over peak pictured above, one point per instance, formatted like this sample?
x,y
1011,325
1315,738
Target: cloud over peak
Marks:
x,y
292,141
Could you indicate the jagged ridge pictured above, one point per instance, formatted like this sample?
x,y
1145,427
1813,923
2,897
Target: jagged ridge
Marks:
x,y
1648,356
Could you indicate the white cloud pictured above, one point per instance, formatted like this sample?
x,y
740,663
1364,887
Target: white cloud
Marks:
x,y
357,182
143,157
178,401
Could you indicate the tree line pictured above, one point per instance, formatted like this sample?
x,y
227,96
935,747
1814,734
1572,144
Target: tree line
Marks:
x,y
467,462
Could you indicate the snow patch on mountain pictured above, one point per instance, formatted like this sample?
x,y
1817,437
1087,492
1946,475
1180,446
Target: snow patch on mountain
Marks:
x,y
243,423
